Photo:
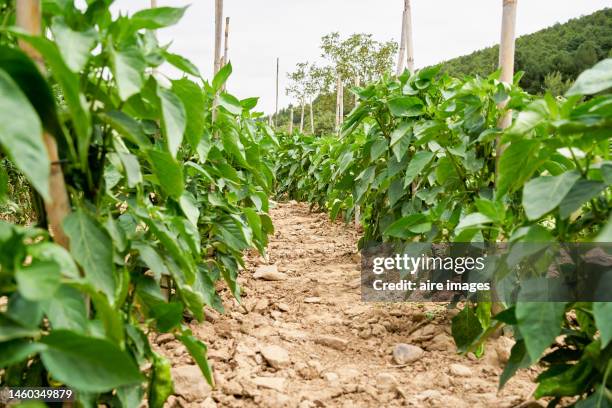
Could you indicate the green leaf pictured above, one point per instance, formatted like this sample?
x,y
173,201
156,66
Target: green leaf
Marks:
x,y
92,248
230,103
192,97
465,328
67,310
539,323
492,209
518,359
190,207
167,315
594,80
416,166
21,135
75,46
10,329
473,220
249,103
161,386
198,350
159,17
168,171
404,227
128,67
126,126
47,251
182,63
516,165
221,77
34,86
399,133
581,192
14,351
396,191
379,147
173,119
86,363
39,280
406,106
132,168
543,194
533,115
602,312
152,259
69,83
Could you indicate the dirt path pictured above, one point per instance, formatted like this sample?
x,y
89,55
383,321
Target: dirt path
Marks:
x,y
309,341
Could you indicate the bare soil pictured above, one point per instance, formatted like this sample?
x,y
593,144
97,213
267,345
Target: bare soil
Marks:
x,y
332,349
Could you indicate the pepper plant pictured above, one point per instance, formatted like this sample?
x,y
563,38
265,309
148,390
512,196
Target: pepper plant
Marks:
x,y
161,195
418,155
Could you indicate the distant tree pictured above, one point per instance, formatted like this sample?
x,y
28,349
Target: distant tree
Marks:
x,y
298,87
555,84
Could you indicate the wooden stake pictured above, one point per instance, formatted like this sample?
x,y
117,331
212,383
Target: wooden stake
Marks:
x,y
290,120
311,118
226,47
218,32
506,62
217,56
276,106
409,40
402,48
154,5
29,19
302,118
357,208
406,51
341,106
339,102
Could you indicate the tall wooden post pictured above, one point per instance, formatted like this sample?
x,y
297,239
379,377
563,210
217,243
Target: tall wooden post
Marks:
x,y
339,102
311,118
276,105
217,55
290,119
225,41
341,106
409,38
406,51
357,207
226,47
302,117
29,19
154,5
218,32
402,49
506,61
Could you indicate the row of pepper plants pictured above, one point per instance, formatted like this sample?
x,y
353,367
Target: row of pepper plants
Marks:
x,y
418,156
162,192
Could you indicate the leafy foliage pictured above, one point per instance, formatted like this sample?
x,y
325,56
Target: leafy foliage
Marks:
x,y
418,155
161,195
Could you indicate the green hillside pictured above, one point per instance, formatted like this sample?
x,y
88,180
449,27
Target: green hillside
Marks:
x,y
550,57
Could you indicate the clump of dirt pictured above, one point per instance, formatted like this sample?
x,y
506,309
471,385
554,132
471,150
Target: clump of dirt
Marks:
x,y
303,338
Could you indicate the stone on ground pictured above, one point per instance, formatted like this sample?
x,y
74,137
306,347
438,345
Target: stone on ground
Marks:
x,y
269,273
406,353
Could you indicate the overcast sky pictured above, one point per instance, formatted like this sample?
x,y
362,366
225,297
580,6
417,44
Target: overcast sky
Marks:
x,y
261,30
